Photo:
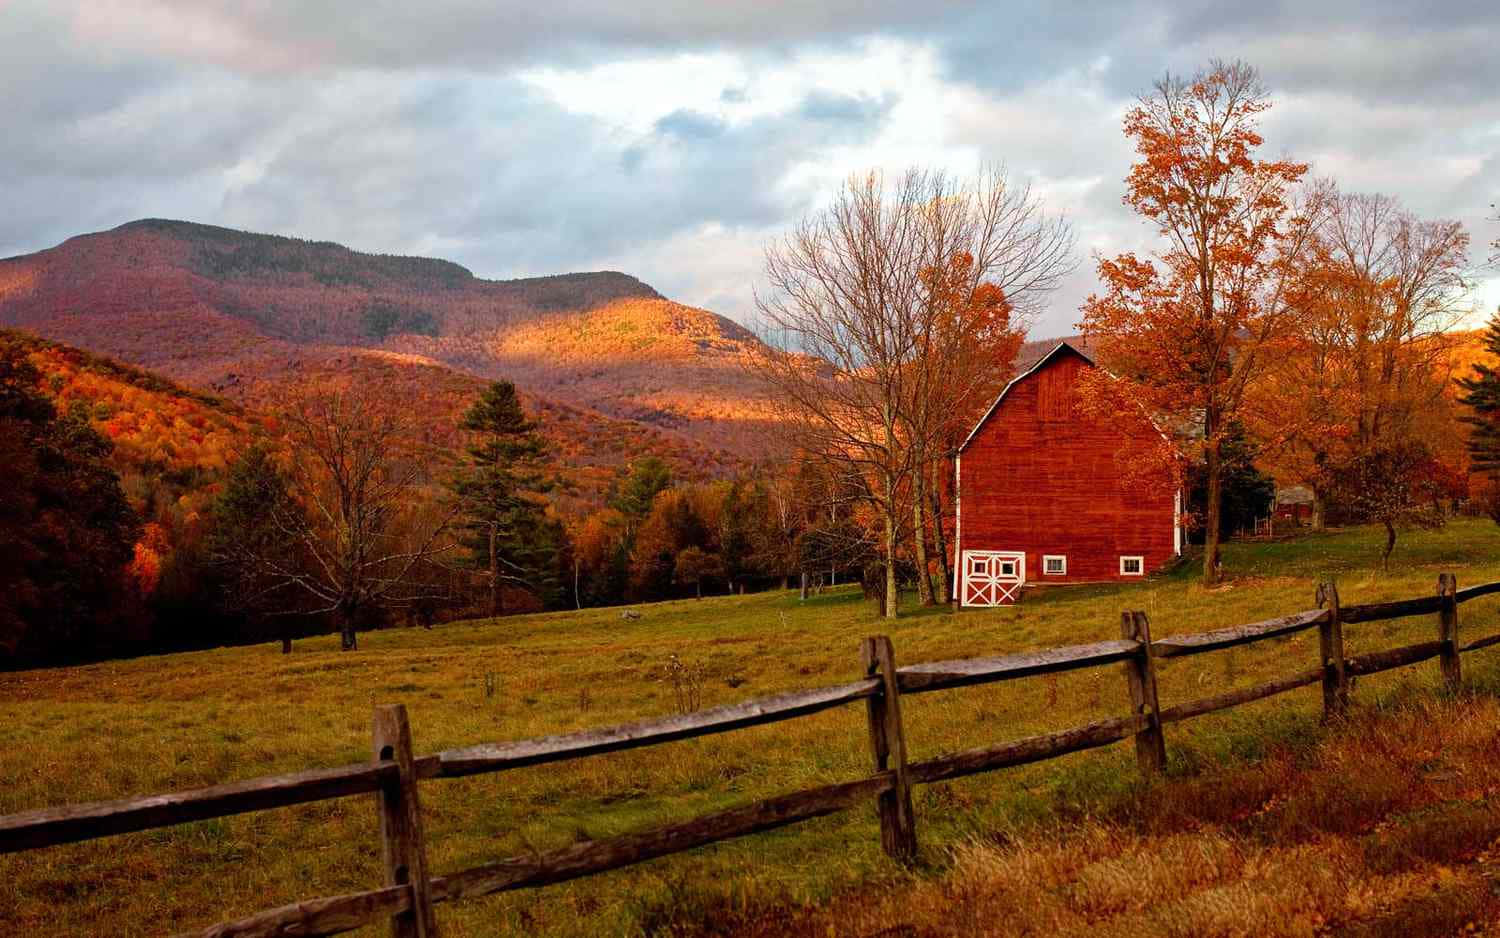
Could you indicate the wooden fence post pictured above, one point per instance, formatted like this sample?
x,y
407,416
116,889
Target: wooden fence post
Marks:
x,y
404,850
1140,673
1448,631
898,829
1331,651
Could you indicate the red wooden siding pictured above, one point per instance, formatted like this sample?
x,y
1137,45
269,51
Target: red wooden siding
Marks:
x,y
1040,478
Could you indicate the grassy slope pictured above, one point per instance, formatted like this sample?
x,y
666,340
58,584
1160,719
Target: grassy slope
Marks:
x,y
161,723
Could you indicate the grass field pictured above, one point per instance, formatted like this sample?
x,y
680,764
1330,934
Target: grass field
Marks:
x,y
178,721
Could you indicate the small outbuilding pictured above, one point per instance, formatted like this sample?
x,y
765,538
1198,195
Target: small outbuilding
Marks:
x,y
1046,495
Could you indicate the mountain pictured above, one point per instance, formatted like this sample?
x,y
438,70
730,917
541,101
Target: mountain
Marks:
x,y
230,311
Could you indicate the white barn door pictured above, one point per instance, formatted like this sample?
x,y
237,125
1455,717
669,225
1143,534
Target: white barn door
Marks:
x,y
992,577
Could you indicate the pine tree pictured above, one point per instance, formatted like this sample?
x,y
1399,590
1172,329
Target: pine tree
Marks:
x,y
253,518
633,496
1482,396
66,524
735,527
509,534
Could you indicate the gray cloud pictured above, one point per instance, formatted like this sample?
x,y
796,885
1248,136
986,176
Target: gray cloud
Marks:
x,y
412,127
480,33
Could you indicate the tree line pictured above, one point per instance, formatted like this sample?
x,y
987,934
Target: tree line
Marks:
x,y
337,522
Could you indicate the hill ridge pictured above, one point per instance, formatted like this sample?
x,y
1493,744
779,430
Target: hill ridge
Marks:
x,y
207,305
226,233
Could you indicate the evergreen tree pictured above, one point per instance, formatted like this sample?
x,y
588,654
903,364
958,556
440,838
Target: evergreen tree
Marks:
x,y
1482,396
633,496
67,527
1247,493
612,582
507,530
255,517
735,530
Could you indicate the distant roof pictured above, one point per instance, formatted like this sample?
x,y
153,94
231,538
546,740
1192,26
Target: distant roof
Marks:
x,y
1031,357
1294,495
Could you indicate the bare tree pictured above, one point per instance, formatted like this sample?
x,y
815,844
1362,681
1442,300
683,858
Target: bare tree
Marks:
x,y
1397,289
862,315
997,257
1495,244
361,543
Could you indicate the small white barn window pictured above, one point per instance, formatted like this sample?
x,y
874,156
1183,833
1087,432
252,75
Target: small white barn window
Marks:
x,y
1054,565
1007,567
1132,566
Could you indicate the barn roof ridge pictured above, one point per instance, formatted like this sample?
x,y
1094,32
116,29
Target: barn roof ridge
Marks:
x,y
1032,369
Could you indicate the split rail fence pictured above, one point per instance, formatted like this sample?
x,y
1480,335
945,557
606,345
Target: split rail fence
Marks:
x,y
411,890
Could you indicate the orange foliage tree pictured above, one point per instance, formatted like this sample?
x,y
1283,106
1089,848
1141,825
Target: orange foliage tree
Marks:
x,y
964,361
144,570
1188,332
1369,359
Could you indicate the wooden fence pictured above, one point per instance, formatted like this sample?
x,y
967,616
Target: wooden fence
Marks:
x,y
411,890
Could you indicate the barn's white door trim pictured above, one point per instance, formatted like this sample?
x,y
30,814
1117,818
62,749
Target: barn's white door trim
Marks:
x,y
992,577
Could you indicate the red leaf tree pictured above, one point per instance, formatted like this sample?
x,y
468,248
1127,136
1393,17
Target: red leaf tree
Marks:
x,y
1188,331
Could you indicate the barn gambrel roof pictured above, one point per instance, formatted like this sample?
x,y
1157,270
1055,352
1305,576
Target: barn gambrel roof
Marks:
x,y
1035,367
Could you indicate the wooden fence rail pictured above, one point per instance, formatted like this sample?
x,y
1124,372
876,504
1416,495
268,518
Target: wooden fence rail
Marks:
x,y
410,891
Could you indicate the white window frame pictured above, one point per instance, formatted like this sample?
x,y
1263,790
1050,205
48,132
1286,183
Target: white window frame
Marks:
x,y
1140,563
1048,558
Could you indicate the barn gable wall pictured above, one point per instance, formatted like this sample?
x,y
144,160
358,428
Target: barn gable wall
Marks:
x,y
1039,477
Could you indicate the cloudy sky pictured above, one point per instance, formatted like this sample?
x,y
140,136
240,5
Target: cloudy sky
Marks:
x,y
674,139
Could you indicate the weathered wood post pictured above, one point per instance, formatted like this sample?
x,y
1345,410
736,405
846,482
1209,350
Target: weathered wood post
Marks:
x,y
898,829
1140,674
1331,651
404,850
1448,631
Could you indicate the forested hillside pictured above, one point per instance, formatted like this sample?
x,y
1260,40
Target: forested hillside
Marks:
x,y
111,478
216,307
116,472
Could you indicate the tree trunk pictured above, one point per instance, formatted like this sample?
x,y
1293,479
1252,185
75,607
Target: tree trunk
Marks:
x,y
939,543
1317,511
494,575
698,586
577,598
804,585
888,514
1211,519
891,595
344,619
1390,545
919,534
286,644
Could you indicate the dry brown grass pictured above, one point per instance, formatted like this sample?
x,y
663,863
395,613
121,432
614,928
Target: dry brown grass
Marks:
x,y
1390,826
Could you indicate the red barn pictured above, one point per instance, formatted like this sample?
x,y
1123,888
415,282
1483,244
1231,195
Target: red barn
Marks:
x,y
1043,494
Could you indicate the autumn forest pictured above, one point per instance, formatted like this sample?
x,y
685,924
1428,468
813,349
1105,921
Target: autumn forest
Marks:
x,y
216,437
